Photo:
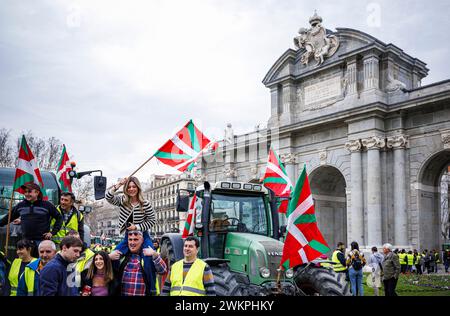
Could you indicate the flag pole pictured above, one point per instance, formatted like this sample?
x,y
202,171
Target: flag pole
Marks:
x,y
9,221
140,167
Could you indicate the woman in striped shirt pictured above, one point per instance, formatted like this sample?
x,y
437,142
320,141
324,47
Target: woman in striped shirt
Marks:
x,y
136,213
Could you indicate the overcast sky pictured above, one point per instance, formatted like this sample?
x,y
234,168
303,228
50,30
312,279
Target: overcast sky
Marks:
x,y
113,80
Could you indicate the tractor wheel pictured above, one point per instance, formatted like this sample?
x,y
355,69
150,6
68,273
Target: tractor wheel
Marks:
x,y
321,281
168,256
226,283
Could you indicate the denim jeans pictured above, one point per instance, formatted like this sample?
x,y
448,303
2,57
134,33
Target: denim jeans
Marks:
x,y
356,278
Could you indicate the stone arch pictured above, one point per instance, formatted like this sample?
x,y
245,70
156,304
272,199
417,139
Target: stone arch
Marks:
x,y
328,187
429,199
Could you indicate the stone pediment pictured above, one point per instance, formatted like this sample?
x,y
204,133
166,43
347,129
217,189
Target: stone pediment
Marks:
x,y
351,43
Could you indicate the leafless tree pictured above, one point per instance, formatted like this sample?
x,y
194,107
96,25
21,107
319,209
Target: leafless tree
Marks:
x,y
6,150
46,152
84,189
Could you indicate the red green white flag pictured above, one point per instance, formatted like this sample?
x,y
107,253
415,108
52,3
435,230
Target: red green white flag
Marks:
x,y
182,150
277,180
190,220
27,170
304,241
62,172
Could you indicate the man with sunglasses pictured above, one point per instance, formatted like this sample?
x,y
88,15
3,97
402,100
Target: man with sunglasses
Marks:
x,y
72,218
35,216
136,270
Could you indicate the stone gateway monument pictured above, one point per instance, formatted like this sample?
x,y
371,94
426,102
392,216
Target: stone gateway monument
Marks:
x,y
375,142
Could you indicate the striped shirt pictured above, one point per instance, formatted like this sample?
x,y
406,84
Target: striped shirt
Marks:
x,y
208,280
144,218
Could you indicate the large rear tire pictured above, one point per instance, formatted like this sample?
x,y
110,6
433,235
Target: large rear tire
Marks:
x,y
225,282
321,281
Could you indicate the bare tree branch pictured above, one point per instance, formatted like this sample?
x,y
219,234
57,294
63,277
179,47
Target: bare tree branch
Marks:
x,y
6,150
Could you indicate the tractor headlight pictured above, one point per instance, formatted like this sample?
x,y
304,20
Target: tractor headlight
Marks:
x,y
289,273
265,272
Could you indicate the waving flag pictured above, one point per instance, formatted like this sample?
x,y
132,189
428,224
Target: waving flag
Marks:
x,y
277,180
184,148
190,220
27,170
304,242
62,172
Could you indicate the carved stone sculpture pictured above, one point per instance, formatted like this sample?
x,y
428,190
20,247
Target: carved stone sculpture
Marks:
x,y
395,85
445,136
374,142
316,42
229,135
288,158
397,142
353,145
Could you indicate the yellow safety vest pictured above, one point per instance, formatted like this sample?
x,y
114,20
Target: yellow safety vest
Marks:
x,y
402,257
192,285
436,257
72,224
81,262
14,276
338,267
410,258
29,280
418,257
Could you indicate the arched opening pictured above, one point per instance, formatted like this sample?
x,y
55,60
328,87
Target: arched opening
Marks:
x,y
328,191
433,201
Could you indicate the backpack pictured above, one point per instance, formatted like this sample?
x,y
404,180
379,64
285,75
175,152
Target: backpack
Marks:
x,y
356,261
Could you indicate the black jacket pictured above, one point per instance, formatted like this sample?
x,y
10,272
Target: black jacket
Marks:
x,y
35,218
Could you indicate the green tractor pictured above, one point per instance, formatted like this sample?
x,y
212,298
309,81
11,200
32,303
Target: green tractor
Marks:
x,y
238,228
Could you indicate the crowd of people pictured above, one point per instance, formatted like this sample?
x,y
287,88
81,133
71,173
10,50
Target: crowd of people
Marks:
x,y
53,260
385,269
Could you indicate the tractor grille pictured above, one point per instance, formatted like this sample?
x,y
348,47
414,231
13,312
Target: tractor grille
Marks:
x,y
274,250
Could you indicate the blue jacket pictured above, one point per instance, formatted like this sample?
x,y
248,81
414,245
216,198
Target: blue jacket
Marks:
x,y
22,289
56,280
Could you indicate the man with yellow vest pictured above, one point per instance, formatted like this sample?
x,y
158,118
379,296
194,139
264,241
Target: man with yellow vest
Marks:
x,y
403,261
29,284
18,266
417,261
410,261
72,218
190,276
339,258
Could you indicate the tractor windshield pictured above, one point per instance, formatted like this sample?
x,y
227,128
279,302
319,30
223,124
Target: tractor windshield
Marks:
x,y
238,213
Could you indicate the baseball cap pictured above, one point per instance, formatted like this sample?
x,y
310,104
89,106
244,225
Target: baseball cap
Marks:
x,y
31,186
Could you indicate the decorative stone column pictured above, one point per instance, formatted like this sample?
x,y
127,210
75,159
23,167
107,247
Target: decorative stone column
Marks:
x,y
398,144
374,231
351,77
357,207
371,72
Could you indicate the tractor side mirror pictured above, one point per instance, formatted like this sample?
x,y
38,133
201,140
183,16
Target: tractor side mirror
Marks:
x,y
99,187
182,202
